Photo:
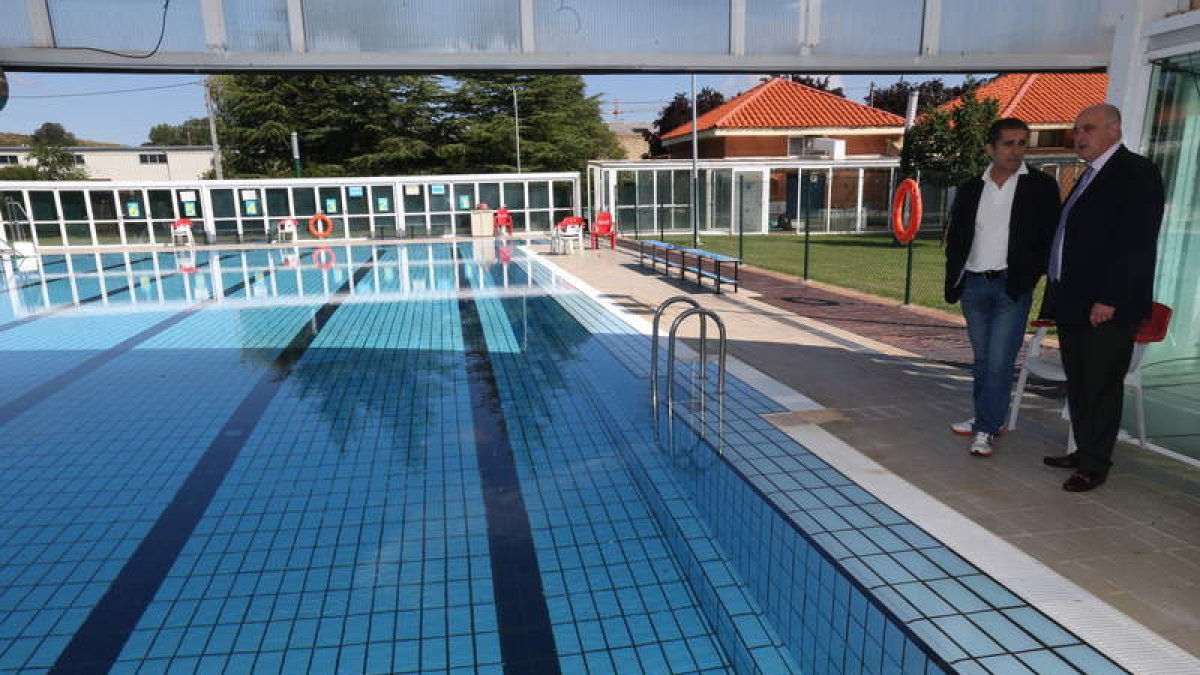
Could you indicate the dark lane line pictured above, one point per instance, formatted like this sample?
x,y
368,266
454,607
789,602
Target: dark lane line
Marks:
x,y
59,309
96,645
39,393
527,644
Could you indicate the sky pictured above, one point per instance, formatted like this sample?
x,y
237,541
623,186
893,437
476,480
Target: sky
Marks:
x,y
121,108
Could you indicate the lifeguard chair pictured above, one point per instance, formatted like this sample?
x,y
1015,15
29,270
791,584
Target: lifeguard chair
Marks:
x,y
181,230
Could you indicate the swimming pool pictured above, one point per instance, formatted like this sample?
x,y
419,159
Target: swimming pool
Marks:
x,y
428,458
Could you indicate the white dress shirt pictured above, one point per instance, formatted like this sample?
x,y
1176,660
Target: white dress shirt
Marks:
x,y
989,248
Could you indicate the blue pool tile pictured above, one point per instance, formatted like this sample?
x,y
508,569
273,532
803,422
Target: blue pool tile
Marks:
x,y
923,599
887,569
1004,631
1046,662
949,561
991,591
958,595
897,605
1005,664
974,641
1088,660
1036,623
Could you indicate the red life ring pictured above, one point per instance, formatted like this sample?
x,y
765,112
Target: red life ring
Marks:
x,y
905,233
324,258
320,232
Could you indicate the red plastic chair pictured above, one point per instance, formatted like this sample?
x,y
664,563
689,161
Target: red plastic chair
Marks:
x,y
502,220
604,227
1049,366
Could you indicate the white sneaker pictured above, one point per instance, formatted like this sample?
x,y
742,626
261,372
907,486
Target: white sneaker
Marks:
x,y
964,428
967,427
981,445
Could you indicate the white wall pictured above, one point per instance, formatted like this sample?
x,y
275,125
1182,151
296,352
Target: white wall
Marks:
x,y
124,164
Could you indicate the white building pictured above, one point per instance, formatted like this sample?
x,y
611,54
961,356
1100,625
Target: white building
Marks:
x,y
124,163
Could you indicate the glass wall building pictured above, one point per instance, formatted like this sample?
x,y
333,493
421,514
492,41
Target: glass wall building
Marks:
x,y
1173,142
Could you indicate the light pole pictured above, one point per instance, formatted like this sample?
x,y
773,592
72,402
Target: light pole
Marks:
x,y
296,153
212,129
517,126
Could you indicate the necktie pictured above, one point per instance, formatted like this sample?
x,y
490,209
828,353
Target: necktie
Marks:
x,y
1056,248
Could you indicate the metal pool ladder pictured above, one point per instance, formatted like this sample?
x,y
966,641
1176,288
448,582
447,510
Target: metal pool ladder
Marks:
x,y
702,374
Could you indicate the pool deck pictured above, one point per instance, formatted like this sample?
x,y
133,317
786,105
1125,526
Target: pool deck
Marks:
x,y
889,379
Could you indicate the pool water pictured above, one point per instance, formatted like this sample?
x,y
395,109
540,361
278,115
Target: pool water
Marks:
x,y
427,458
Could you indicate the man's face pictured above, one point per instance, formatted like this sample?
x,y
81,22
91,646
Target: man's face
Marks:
x,y
1095,132
1008,151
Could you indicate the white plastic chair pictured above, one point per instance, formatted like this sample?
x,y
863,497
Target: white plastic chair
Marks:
x,y
1049,367
182,230
568,235
284,229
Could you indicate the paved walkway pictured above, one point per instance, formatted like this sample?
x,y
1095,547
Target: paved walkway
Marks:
x,y
896,376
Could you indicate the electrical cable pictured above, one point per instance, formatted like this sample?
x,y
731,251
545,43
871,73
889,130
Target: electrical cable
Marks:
x,y
162,31
114,91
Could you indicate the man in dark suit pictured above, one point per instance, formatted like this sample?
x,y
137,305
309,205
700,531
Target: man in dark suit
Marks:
x,y
1101,274
1001,224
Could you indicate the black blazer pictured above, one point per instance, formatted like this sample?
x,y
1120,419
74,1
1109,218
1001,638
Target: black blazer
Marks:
x,y
1030,232
1110,244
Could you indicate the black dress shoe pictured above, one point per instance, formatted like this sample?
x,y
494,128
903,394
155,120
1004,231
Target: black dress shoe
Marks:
x,y
1070,461
1082,482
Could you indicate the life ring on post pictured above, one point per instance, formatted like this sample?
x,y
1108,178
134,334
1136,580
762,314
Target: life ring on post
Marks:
x,y
907,190
324,258
324,230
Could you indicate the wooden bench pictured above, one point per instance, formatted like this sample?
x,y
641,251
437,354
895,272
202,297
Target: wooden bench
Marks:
x,y
676,257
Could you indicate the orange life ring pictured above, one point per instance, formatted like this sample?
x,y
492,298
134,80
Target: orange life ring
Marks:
x,y
324,258
905,233
320,232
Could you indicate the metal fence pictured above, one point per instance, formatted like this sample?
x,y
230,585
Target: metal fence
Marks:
x,y
72,214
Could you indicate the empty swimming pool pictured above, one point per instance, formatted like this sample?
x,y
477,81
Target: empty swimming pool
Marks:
x,y
428,458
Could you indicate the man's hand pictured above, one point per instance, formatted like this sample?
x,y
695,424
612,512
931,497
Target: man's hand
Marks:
x,y
1101,313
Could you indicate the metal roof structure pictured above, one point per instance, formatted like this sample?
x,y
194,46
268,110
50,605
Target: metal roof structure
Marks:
x,y
827,36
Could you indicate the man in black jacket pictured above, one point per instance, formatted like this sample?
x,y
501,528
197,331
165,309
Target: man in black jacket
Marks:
x,y
1001,225
1101,281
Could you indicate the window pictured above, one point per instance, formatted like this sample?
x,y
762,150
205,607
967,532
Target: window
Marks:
x,y
154,158
8,160
1050,138
78,159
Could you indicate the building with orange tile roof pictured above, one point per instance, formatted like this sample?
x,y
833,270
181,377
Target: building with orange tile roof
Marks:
x,y
1048,102
781,118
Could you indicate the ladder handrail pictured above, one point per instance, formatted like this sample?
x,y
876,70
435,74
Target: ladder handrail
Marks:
x,y
704,315
654,344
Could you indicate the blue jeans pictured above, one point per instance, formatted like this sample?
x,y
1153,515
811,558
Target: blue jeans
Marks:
x,y
996,327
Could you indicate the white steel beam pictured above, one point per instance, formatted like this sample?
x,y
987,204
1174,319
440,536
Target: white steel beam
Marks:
x,y
39,23
737,27
528,45
931,28
810,26
220,61
295,18
213,13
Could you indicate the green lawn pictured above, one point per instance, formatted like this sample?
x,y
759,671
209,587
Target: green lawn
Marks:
x,y
872,263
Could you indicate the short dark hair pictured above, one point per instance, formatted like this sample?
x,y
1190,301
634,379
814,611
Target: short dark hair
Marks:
x,y
1002,124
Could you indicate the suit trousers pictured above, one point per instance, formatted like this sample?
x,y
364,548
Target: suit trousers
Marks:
x,y
1096,359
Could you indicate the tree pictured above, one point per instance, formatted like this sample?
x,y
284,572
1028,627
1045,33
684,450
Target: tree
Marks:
x,y
814,81
947,145
931,94
561,127
18,173
54,162
679,112
53,134
362,124
193,131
